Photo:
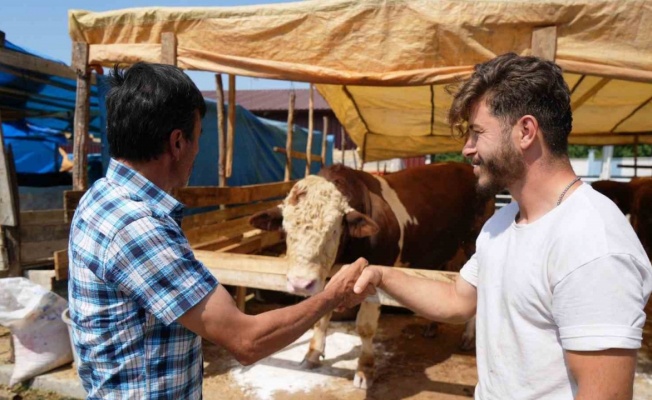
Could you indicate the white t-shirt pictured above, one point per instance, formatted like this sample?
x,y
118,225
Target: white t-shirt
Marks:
x,y
575,279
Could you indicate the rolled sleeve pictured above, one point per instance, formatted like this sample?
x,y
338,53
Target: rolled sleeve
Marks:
x,y
152,263
470,271
601,305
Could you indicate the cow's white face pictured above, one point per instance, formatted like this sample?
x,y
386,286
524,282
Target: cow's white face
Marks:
x,y
313,215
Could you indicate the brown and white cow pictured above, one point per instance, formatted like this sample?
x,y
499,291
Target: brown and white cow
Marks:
x,y
424,217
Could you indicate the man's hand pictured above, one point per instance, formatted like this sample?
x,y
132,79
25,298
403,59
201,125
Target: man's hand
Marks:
x,y
343,281
370,277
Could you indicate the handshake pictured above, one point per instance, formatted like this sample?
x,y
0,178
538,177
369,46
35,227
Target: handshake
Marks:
x,y
352,284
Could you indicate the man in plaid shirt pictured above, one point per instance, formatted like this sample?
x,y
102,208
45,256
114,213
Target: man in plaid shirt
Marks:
x,y
139,300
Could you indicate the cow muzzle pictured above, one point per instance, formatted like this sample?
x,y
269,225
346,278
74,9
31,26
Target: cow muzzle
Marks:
x,y
303,283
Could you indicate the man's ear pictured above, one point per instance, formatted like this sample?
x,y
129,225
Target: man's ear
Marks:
x,y
176,143
528,127
268,220
360,225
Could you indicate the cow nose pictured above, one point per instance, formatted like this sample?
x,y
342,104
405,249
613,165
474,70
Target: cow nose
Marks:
x,y
301,285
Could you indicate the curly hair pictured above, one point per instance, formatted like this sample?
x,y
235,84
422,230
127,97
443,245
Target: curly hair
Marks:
x,y
513,86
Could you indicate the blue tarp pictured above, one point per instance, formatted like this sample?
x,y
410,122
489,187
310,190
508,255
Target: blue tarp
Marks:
x,y
36,110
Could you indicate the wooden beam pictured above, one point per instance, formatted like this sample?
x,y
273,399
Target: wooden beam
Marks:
x,y
254,243
211,232
230,133
169,48
8,209
297,155
80,148
324,136
544,42
204,196
590,93
61,264
215,217
269,273
71,200
221,131
342,144
288,140
23,61
311,127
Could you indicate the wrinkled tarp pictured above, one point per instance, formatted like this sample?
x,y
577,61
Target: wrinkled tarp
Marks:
x,y
254,160
37,110
383,64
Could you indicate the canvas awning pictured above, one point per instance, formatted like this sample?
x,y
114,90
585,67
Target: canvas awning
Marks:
x,y
383,65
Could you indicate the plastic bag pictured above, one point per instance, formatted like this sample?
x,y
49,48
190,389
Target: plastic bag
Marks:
x,y
33,315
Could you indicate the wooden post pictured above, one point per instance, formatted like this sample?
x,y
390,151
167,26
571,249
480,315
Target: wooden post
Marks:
x,y
82,108
311,127
169,48
221,131
231,128
288,141
324,135
544,42
636,155
342,144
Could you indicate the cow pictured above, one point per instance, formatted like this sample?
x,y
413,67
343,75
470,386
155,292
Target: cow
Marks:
x,y
641,215
423,217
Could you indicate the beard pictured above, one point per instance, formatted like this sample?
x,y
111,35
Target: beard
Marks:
x,y
500,170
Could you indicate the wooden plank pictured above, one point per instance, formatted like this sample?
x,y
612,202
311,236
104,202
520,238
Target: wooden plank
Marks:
x,y
71,200
206,196
211,232
231,128
298,155
169,48
255,243
544,42
288,141
218,243
42,217
221,131
44,232
263,272
8,207
23,61
324,135
40,252
311,126
82,106
214,217
61,264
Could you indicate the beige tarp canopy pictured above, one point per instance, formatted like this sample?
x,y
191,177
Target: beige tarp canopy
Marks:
x,y
383,65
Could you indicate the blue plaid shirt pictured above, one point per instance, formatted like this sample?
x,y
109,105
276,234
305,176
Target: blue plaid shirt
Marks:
x,y
132,275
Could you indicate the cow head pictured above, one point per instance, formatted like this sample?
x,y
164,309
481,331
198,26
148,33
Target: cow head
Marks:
x,y
314,216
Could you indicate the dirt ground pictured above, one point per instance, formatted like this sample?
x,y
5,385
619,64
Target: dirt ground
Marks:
x,y
409,366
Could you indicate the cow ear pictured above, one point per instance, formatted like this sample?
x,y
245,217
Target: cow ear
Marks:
x,y
268,220
360,225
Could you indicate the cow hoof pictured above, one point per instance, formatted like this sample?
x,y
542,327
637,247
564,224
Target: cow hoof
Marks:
x,y
312,360
362,380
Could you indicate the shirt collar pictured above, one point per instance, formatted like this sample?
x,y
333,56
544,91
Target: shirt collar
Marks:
x,y
143,189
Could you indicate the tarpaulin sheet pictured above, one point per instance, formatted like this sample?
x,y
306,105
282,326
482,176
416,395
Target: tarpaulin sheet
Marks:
x,y
382,64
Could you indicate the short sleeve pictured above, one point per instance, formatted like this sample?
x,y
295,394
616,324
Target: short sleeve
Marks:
x,y
601,304
151,262
470,271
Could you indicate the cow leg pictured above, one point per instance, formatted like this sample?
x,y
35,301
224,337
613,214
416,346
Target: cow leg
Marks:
x,y
366,324
317,343
468,338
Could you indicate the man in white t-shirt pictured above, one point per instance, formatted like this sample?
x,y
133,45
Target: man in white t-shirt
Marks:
x,y
559,280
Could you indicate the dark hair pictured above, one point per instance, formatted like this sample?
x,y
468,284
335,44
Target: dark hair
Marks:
x,y
144,105
514,86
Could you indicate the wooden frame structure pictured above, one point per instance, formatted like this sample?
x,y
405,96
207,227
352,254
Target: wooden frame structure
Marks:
x,y
216,235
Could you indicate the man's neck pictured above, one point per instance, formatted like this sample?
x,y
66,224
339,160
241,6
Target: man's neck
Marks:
x,y
155,171
541,188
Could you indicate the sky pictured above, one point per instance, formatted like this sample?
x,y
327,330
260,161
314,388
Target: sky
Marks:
x,y
42,26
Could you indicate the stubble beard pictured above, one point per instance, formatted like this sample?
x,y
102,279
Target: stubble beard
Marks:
x,y
500,171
